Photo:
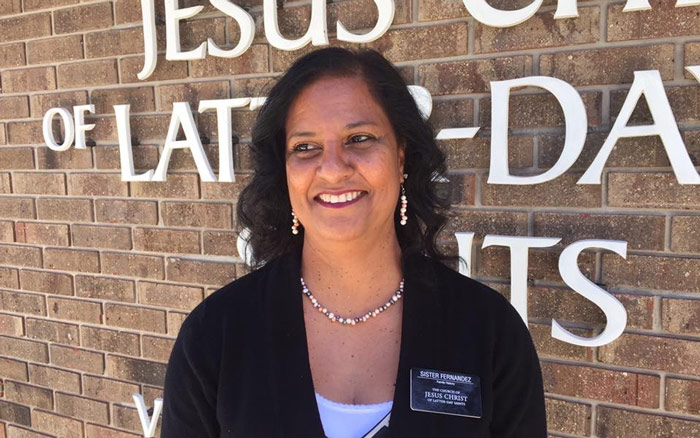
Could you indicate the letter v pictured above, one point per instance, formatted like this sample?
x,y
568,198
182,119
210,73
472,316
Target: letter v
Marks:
x,y
148,424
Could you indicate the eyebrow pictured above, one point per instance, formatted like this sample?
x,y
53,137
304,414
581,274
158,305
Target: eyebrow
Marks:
x,y
348,126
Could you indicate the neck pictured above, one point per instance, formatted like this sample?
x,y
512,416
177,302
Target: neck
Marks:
x,y
352,277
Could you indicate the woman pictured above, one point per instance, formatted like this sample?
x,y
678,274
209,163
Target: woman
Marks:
x,y
351,326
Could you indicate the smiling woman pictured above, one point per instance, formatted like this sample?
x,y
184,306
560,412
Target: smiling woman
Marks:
x,y
351,326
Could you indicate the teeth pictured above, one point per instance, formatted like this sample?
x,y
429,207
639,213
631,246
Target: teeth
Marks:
x,y
335,199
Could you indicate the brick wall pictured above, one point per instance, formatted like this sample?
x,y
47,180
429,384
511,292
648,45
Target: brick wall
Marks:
x,y
96,274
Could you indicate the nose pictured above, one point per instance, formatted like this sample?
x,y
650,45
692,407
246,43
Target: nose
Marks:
x,y
335,165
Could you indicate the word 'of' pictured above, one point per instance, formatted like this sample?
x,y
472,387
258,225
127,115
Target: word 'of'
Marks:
x,y
646,83
317,32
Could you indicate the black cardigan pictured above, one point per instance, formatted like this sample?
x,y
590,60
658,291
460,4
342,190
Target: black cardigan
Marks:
x,y
240,365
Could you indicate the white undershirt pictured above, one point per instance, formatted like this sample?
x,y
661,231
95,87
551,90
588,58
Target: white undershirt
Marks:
x,y
342,420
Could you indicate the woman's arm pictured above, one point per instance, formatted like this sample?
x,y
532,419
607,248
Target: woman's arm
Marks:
x,y
189,400
519,409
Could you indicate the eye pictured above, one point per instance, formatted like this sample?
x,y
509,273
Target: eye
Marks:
x,y
360,138
303,147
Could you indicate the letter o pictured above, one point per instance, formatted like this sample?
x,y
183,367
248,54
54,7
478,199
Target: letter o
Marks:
x,y
67,119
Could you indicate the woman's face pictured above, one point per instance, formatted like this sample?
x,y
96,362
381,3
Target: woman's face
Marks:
x,y
344,166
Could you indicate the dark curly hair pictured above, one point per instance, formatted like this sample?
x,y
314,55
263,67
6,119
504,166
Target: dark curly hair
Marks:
x,y
264,207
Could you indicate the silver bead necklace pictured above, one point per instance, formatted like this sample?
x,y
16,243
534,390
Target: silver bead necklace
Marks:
x,y
333,317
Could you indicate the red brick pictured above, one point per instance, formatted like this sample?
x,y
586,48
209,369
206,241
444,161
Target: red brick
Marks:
x,y
643,424
145,157
9,278
13,369
465,77
664,20
12,55
22,302
41,103
71,159
71,260
18,255
25,133
103,288
94,431
19,432
641,232
423,42
133,265
140,98
568,417
59,209
83,408
101,236
28,394
52,331
431,10
175,320
129,11
541,111
220,243
200,271
50,50
196,214
157,348
57,425
110,340
685,234
680,316
87,73
254,60
642,272
30,5
24,349
169,295
28,79
562,191
547,346
135,370
682,395
76,310
114,42
77,359
16,158
133,317
118,211
109,390
224,191
601,384
39,183
176,186
54,378
656,353
192,92
15,107
11,325
81,18
7,232
143,129
97,184
613,66
126,417
9,7
163,240
542,30
25,26
40,233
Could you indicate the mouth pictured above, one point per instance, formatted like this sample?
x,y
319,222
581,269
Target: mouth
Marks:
x,y
339,200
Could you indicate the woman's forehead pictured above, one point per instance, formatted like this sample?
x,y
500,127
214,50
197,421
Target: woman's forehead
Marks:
x,y
338,100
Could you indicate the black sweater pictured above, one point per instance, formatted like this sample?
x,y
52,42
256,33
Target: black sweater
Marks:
x,y
240,365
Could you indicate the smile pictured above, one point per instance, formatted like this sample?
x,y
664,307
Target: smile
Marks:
x,y
337,201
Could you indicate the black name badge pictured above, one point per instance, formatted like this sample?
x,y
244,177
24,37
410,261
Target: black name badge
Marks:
x,y
444,392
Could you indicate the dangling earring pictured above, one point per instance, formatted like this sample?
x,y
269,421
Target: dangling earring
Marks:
x,y
404,203
295,224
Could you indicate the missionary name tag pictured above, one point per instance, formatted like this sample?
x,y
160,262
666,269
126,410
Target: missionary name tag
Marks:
x,y
443,392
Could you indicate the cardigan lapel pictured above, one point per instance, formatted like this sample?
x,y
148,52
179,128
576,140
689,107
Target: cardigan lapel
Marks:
x,y
292,382
420,347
